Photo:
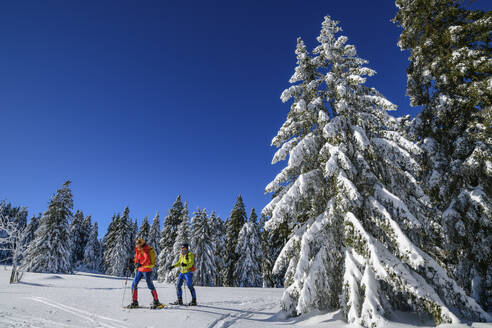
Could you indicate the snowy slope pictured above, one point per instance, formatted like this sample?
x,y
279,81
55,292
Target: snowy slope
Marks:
x,y
91,300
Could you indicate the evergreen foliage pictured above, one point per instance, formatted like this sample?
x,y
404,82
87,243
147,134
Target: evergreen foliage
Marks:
x,y
166,243
449,76
272,242
144,231
50,251
350,170
118,245
76,238
233,226
217,228
203,247
247,270
92,252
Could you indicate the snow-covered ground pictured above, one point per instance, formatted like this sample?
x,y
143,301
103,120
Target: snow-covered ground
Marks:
x,y
92,300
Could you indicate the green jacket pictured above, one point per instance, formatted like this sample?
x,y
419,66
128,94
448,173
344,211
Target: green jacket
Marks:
x,y
188,259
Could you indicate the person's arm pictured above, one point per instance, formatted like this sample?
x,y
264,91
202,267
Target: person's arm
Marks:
x,y
172,266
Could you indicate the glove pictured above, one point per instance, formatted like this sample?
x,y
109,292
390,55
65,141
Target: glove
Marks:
x,y
131,261
138,265
171,267
183,264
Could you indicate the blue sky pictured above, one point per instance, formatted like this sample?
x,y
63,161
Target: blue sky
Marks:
x,y
138,101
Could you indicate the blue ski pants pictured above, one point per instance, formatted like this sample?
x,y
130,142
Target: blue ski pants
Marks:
x,y
189,282
148,279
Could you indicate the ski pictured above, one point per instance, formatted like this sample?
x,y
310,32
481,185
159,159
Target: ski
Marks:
x,y
151,307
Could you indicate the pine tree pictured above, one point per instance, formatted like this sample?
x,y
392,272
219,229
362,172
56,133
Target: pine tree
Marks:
x,y
218,238
86,231
144,229
118,243
375,227
203,247
92,251
166,243
233,226
32,226
247,270
449,76
50,251
76,238
272,242
108,243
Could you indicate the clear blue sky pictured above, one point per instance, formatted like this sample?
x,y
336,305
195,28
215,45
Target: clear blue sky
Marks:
x,y
138,101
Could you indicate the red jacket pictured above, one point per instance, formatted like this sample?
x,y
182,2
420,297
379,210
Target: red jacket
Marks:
x,y
142,256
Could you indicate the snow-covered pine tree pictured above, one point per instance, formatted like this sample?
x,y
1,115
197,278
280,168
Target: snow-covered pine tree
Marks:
x,y
272,242
153,240
86,231
76,238
449,76
92,251
109,242
300,189
118,248
247,271
203,247
29,232
370,194
50,251
234,225
168,237
218,238
144,229
132,237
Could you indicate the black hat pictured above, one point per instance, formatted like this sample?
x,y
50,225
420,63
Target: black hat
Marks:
x,y
185,245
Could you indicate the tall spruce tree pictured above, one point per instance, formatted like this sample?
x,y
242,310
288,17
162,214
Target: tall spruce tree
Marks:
x,y
272,242
166,243
234,224
92,251
119,242
144,229
247,271
203,247
50,251
29,232
109,242
449,76
354,162
217,228
76,238
86,231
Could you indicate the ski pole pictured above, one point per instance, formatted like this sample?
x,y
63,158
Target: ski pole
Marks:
x,y
124,290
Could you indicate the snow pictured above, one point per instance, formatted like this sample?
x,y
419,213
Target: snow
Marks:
x,y
92,300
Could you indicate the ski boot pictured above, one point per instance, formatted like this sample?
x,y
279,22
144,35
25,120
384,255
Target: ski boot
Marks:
x,y
133,305
178,302
156,305
193,302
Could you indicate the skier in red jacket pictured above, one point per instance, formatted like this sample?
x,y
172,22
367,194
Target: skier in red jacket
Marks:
x,y
144,261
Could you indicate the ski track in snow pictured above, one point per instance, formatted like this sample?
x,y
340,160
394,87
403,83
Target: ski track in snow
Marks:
x,y
91,317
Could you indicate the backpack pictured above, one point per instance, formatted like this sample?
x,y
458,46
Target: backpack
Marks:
x,y
152,256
